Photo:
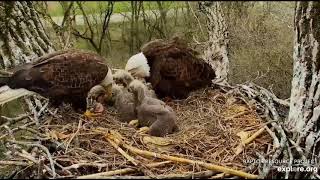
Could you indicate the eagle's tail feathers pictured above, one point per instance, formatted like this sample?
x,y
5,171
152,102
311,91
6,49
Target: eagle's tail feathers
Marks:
x,y
7,94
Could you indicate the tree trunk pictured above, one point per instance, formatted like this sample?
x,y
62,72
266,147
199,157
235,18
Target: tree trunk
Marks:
x,y
304,116
217,49
22,36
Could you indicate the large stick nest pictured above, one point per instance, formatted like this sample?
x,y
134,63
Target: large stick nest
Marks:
x,y
213,124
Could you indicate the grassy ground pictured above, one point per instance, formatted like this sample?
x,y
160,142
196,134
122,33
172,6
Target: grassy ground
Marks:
x,y
55,8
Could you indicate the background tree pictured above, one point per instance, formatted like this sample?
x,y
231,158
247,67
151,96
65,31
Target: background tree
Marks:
x,y
62,31
216,52
22,35
96,26
304,116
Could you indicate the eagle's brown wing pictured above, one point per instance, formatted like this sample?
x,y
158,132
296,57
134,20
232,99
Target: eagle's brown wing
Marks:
x,y
175,71
66,75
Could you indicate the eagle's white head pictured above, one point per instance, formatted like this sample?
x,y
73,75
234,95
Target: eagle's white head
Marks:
x,y
138,66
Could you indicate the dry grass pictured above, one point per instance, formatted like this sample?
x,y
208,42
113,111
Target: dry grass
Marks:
x,y
209,121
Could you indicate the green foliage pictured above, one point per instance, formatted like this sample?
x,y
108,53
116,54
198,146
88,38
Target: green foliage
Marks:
x,y
55,9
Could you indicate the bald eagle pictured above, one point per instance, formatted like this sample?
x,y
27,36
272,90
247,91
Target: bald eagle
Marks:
x,y
70,76
172,68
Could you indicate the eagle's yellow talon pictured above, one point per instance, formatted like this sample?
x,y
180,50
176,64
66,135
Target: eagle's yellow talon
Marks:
x,y
134,123
90,115
144,130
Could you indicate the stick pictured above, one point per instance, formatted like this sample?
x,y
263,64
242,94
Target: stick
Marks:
x,y
120,171
237,115
75,166
18,128
249,140
276,142
74,135
31,158
188,161
188,175
17,163
218,176
33,110
126,155
15,119
254,136
43,148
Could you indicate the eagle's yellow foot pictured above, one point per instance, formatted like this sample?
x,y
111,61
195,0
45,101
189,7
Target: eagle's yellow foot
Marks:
x,y
144,130
134,123
91,115
98,110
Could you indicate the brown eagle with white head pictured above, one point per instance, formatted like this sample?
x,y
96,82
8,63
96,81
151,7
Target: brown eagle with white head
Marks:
x,y
172,68
71,76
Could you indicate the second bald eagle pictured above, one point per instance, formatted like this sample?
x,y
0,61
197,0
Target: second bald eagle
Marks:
x,y
172,68
71,76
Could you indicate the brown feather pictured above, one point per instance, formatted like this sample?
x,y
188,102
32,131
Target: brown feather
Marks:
x,y
63,76
175,69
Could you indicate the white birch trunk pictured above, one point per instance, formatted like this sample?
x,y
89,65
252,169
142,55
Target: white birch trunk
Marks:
x,y
22,36
304,115
216,52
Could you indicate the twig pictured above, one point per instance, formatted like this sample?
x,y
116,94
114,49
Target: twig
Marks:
x,y
78,129
220,176
299,150
18,128
274,97
276,143
16,163
277,153
33,110
237,115
28,156
43,108
15,119
290,160
249,140
43,148
126,155
75,166
188,161
188,175
254,136
120,171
